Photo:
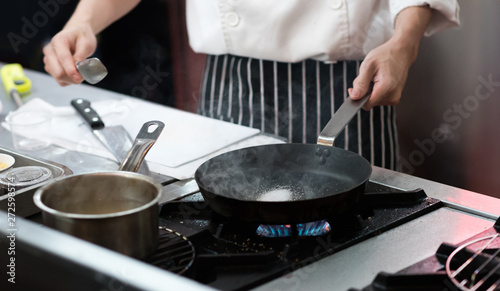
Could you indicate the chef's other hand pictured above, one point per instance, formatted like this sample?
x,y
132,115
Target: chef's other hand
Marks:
x,y
72,44
387,65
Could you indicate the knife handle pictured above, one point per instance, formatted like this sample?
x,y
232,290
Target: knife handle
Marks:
x,y
82,106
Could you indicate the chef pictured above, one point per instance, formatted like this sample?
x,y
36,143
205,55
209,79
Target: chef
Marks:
x,y
286,66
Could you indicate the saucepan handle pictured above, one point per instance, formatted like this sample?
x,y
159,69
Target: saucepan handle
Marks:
x,y
341,118
145,139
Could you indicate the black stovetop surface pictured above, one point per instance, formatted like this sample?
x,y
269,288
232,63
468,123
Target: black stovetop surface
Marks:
x,y
230,256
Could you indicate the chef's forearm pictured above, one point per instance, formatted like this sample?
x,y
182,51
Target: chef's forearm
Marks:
x,y
99,14
409,28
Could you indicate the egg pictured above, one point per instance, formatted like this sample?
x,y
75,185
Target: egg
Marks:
x,y
6,161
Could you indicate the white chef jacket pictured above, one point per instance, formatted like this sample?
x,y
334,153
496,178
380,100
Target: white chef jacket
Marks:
x,y
295,30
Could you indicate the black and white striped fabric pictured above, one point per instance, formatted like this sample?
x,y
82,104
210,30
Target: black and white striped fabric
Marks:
x,y
296,100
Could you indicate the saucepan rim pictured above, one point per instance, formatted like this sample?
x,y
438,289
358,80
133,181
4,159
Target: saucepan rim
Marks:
x,y
37,197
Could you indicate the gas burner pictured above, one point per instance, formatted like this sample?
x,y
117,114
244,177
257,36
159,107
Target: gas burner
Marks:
x,y
317,228
232,254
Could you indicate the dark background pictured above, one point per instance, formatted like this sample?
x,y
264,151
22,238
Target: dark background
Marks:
x,y
129,46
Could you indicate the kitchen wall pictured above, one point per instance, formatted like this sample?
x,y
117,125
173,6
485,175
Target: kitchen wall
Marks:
x,y
187,66
449,118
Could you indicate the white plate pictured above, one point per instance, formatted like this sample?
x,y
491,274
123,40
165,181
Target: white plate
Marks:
x,y
7,160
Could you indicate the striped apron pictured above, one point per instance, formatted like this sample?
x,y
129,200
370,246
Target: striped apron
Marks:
x,y
295,101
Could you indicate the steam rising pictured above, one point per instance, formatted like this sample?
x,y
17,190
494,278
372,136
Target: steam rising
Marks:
x,y
278,173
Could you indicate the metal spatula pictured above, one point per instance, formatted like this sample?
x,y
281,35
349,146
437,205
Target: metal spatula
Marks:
x,y
92,70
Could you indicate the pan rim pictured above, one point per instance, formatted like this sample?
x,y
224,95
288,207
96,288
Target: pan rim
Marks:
x,y
367,166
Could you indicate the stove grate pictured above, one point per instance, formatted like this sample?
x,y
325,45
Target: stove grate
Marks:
x,y
476,264
230,256
174,253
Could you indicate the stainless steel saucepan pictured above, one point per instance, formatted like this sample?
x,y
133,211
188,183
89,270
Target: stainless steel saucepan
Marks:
x,y
117,210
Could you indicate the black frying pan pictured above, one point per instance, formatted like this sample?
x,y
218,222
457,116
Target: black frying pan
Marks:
x,y
287,183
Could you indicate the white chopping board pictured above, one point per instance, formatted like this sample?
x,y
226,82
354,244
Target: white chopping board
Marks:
x,y
188,170
186,136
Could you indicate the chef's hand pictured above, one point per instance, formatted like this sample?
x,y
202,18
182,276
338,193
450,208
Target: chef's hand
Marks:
x,y
77,40
387,65
72,44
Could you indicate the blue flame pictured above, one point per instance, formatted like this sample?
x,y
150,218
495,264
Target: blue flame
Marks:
x,y
316,228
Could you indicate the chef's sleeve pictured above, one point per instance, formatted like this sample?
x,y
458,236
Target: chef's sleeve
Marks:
x,y
445,12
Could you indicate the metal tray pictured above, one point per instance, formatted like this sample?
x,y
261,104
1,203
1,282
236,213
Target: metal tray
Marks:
x,y
24,205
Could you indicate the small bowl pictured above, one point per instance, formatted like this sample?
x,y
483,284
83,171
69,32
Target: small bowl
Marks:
x,y
6,162
22,177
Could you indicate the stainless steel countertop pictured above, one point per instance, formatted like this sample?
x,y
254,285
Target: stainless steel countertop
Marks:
x,y
465,214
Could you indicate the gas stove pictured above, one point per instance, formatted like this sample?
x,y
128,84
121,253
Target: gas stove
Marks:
x,y
234,255
391,230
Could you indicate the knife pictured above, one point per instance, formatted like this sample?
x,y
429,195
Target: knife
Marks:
x,y
115,138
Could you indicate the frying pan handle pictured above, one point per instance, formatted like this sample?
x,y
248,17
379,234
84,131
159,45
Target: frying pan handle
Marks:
x,y
341,118
145,139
